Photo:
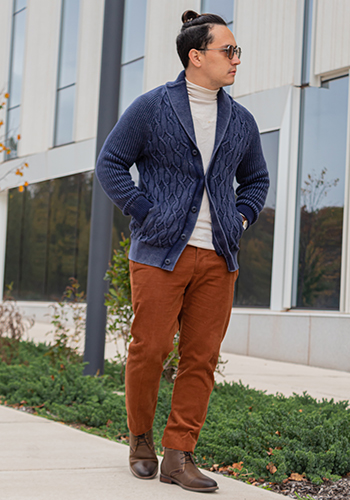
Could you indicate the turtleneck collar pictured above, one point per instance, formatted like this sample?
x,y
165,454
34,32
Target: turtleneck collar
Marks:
x,y
198,92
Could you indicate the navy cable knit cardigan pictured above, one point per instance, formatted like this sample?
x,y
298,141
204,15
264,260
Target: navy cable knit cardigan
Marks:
x,y
156,132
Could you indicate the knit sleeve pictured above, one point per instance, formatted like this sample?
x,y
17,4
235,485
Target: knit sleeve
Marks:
x,y
252,177
121,150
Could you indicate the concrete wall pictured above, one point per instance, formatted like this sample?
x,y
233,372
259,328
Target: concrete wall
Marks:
x,y
304,337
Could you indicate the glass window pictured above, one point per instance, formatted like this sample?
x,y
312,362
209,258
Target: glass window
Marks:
x,y
15,78
134,30
253,287
67,70
13,119
65,115
321,196
33,243
19,23
62,237
131,82
13,238
133,51
20,4
69,43
48,233
223,8
48,237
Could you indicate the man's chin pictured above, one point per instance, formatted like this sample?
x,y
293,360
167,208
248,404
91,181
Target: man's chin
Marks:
x,y
228,83
230,80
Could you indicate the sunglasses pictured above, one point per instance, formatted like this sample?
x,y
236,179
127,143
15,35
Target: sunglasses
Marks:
x,y
230,51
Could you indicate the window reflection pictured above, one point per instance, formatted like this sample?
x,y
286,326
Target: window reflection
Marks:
x,y
322,178
65,115
134,30
253,287
13,118
133,51
69,43
48,235
131,82
67,69
19,23
20,4
15,78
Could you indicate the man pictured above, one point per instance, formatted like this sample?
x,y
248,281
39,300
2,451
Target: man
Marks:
x,y
189,139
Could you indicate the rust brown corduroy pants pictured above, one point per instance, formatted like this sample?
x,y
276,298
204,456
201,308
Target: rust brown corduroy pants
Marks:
x,y
196,300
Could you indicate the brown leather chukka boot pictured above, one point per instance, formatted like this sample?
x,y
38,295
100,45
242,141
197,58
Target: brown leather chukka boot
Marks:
x,y
143,459
178,467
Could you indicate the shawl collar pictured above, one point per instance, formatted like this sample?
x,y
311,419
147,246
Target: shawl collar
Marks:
x,y
178,96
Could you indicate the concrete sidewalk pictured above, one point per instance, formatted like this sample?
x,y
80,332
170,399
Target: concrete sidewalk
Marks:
x,y
45,460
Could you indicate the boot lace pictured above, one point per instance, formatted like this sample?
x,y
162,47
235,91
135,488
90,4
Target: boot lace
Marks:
x,y
187,458
141,439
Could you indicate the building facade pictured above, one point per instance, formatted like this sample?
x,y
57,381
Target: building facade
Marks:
x,y
292,298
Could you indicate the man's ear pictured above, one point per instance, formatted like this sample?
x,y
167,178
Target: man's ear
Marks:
x,y
194,56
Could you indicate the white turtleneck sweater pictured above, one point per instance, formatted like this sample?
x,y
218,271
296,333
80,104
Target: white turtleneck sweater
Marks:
x,y
203,103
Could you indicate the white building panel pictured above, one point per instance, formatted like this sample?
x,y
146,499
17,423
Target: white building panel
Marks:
x,y
163,25
40,76
89,65
5,41
65,160
266,30
332,47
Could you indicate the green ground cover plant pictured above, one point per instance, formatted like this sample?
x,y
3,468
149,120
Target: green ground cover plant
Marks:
x,y
248,434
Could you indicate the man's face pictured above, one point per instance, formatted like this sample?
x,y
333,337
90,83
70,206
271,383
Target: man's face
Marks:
x,y
216,68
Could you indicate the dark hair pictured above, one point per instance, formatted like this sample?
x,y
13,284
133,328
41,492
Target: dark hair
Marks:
x,y
195,33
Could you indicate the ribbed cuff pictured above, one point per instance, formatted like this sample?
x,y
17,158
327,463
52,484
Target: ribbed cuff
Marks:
x,y
247,212
140,208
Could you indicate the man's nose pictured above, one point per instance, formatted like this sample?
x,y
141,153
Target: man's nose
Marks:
x,y
235,61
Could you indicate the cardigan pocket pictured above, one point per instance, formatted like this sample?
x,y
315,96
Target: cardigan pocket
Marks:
x,y
236,229
136,227
159,229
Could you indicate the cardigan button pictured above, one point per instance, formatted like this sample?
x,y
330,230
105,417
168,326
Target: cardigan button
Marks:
x,y
183,237
194,209
194,152
167,262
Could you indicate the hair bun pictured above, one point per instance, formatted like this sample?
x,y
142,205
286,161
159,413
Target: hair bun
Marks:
x,y
189,15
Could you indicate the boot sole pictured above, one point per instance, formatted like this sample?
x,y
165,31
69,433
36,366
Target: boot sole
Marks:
x,y
169,480
144,477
